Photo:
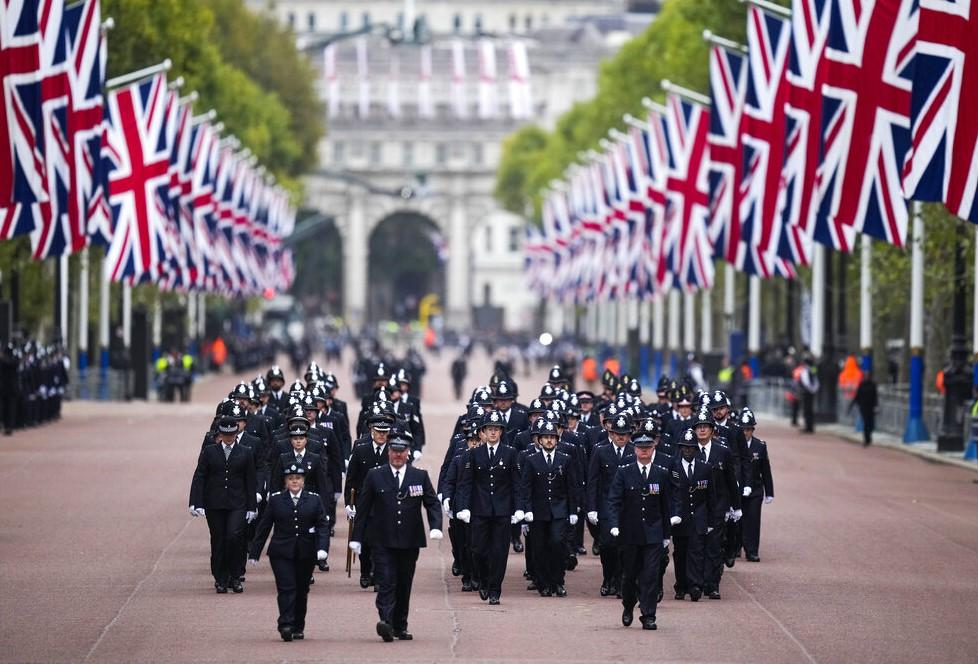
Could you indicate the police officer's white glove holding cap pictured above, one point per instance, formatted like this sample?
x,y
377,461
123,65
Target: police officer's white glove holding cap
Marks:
x,y
250,516
528,517
435,534
572,519
517,517
446,505
593,518
665,544
675,520
321,555
463,515
768,500
736,515
747,492
416,455
355,547
614,532
728,515
258,498
351,512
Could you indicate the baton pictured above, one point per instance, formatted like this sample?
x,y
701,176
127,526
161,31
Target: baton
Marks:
x,y
349,538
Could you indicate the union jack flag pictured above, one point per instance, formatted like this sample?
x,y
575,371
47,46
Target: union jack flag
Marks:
x,y
22,171
728,84
865,122
139,161
942,163
657,138
763,137
688,195
803,114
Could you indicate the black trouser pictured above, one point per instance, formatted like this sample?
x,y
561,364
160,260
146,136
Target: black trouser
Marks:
x,y
732,540
640,577
292,582
808,410
594,530
490,549
578,541
366,560
714,557
689,556
869,425
8,403
457,537
795,407
394,574
549,552
610,560
227,543
528,553
515,531
752,523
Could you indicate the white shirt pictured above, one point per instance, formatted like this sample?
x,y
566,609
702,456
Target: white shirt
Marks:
x,y
379,449
295,496
299,455
645,469
688,465
706,449
400,478
550,458
491,449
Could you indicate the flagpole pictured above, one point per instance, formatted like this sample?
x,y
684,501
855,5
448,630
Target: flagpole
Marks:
x,y
63,297
691,95
192,323
866,303
916,429
644,314
103,331
658,334
729,295
754,325
632,343
722,42
673,332
139,75
971,447
706,320
769,7
83,324
689,323
157,326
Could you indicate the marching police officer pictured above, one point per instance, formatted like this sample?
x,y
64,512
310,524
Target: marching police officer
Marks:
x,y
487,497
301,538
388,518
224,491
758,486
366,455
694,504
639,513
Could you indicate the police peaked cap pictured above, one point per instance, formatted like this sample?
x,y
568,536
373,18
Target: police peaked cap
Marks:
x,y
227,425
298,429
294,469
643,440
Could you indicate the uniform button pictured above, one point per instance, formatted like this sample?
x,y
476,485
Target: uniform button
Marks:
x,y
398,523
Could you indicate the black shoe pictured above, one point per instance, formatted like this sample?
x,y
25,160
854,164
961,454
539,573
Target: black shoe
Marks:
x,y
403,635
571,563
467,586
605,590
332,531
323,566
560,591
237,587
366,581
545,592
753,559
518,546
626,616
221,589
713,594
648,623
298,636
532,585
286,633
581,551
595,549
659,597
695,594
729,562
526,574
483,594
456,570
613,590
385,631
494,599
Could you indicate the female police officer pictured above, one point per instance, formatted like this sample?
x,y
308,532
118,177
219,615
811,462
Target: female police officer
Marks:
x,y
301,538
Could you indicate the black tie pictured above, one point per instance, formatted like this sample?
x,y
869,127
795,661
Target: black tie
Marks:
x,y
550,461
689,470
703,454
377,454
298,459
645,472
619,453
397,478
491,455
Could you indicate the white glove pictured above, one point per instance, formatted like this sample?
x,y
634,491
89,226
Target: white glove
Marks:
x,y
736,515
416,455
747,492
355,547
446,505
464,516
351,512
321,555
728,515
709,530
250,516
517,517
524,529
435,534
346,465
665,544
440,497
572,519
196,511
258,498
768,500
614,532
528,517
593,518
337,495
253,562
676,520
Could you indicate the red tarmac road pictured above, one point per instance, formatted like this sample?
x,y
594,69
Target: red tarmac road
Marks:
x,y
867,556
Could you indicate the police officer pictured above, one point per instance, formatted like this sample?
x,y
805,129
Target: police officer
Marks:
x,y
388,518
301,538
605,462
224,491
365,456
639,513
549,502
694,504
487,496
758,486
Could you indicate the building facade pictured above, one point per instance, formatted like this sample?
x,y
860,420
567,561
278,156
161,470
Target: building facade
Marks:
x,y
417,129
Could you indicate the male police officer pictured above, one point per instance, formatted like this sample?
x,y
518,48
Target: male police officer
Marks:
x,y
388,518
758,486
301,538
366,456
639,513
694,504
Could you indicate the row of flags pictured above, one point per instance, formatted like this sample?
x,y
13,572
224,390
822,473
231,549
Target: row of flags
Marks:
x,y
822,128
487,103
132,170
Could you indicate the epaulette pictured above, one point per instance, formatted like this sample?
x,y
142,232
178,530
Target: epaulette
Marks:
x,y
276,493
312,493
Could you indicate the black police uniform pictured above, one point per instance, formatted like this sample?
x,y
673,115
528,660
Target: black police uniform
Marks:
x,y
728,493
694,501
389,520
757,475
363,458
604,466
301,529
